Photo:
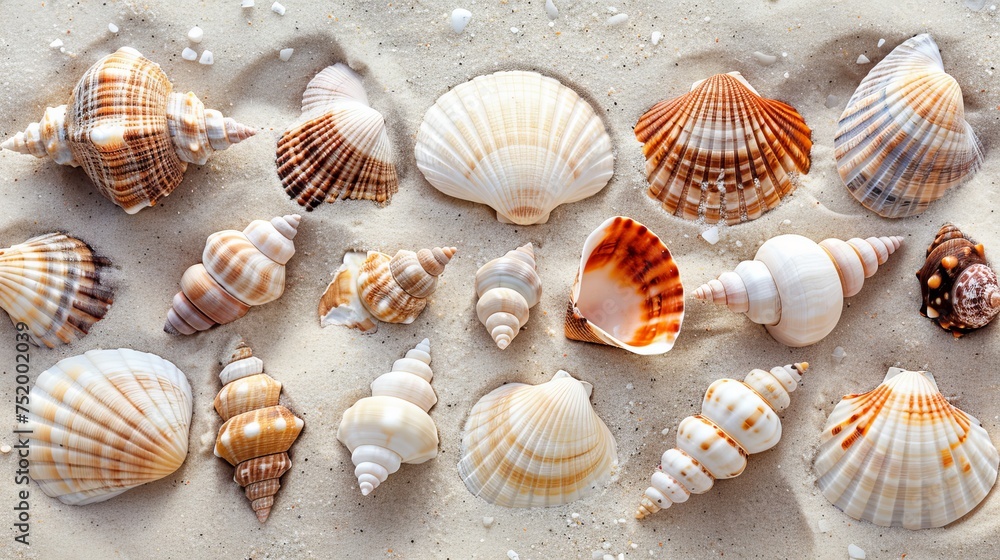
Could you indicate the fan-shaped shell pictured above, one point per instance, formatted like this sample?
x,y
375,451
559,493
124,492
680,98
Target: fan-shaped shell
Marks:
x,y
53,283
107,421
722,152
536,445
519,142
627,292
340,148
901,455
903,139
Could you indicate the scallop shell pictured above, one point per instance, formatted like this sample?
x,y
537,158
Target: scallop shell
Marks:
x,y
257,431
340,148
722,152
372,288
627,292
105,422
238,270
796,287
737,419
129,131
903,139
901,455
520,142
536,445
960,291
507,288
392,426
53,283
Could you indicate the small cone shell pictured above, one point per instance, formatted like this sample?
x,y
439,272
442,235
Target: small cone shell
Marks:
x,y
507,288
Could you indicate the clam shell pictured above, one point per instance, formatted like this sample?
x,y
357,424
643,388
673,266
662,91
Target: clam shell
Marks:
x,y
340,148
722,152
107,421
520,142
903,139
53,283
627,292
901,455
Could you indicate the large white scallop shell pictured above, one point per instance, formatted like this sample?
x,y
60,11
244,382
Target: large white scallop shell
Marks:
x,y
536,445
902,455
520,142
107,421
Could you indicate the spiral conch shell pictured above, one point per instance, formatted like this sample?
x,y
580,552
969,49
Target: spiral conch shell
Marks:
x,y
960,291
129,131
238,269
737,419
373,287
507,288
796,287
54,284
392,426
105,422
903,139
257,431
902,455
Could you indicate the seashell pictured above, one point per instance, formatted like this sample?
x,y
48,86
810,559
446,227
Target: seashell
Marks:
x,y
959,289
507,288
737,419
129,131
105,422
901,455
339,148
238,270
536,445
903,139
722,152
392,426
520,142
796,287
53,283
627,292
367,289
257,431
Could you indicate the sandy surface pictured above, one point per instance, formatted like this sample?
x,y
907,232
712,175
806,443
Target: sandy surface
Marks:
x,y
409,56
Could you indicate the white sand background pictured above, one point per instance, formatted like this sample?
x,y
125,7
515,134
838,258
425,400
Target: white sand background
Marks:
x,y
409,56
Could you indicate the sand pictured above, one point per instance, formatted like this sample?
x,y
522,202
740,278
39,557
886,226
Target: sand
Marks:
x,y
409,55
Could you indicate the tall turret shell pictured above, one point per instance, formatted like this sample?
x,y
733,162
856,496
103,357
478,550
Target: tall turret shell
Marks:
x,y
536,445
507,288
257,432
105,422
520,142
960,291
129,131
339,148
722,152
54,284
372,288
796,287
392,426
903,139
737,419
627,292
238,269
901,455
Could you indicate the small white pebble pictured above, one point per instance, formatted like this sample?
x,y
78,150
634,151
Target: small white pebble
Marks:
x,y
784,55
824,526
786,222
606,545
881,42
839,354
855,552
629,386
711,235
786,75
551,10
634,546
656,37
621,521
608,557
5,448
552,24
739,243
285,54
459,19
664,431
189,54
765,59
862,59
206,58
112,28
487,522
278,8
56,44
707,19
831,101
597,555
513,555
196,34
993,7
575,516
514,30
617,19
246,4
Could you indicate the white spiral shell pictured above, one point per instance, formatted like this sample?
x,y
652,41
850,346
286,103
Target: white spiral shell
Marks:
x,y
507,288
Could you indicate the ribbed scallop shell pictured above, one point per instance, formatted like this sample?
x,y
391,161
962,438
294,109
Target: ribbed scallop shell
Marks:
x,y
536,445
722,152
107,421
53,284
903,139
901,455
507,288
519,142
627,291
340,148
